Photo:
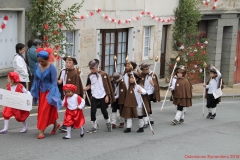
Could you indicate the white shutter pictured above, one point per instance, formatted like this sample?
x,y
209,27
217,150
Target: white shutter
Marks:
x,y
77,46
131,42
98,56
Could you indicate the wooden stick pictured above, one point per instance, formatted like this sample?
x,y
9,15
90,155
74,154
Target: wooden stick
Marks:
x,y
156,59
126,62
115,61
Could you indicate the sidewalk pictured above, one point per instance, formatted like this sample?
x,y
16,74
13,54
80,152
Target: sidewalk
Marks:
x,y
197,93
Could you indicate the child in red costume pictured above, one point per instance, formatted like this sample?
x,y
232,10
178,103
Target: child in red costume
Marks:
x,y
73,115
20,115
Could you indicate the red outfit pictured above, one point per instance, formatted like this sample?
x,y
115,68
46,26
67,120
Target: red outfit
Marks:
x,y
20,115
47,114
73,117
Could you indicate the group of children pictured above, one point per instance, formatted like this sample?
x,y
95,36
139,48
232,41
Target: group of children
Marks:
x,y
130,93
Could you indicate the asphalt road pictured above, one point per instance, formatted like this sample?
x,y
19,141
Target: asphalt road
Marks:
x,y
197,138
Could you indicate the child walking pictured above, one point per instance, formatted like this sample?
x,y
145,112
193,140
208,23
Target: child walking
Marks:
x,y
182,95
120,95
212,84
14,85
133,106
73,115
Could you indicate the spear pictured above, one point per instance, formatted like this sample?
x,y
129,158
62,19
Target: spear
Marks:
x,y
141,99
126,62
115,62
177,60
204,81
79,72
156,59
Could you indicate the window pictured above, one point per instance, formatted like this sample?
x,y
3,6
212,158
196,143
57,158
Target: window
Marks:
x,y
113,43
147,37
70,40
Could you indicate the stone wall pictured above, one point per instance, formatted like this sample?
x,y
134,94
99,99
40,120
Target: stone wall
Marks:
x,y
227,5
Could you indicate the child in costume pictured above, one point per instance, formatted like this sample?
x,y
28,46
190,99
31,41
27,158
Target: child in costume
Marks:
x,y
150,82
101,94
14,85
69,75
120,95
73,115
128,70
182,95
133,106
212,84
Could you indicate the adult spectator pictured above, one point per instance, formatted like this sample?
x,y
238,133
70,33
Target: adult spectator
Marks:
x,y
19,64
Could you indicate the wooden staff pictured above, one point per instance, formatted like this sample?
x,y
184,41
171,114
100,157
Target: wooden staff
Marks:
x,y
156,59
79,72
126,62
204,81
141,99
177,60
115,62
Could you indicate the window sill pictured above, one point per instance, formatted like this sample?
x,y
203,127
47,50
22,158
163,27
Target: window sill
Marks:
x,y
4,72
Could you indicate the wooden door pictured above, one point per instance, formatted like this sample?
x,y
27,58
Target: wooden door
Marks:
x,y
163,51
237,61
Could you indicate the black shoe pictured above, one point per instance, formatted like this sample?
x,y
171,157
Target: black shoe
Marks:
x,y
209,115
213,116
145,126
152,122
181,121
63,128
174,122
127,130
81,135
66,137
140,130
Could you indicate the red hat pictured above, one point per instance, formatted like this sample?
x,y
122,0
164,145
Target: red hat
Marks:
x,y
14,76
70,87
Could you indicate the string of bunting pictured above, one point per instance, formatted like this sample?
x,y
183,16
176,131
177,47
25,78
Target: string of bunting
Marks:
x,y
129,20
4,23
206,2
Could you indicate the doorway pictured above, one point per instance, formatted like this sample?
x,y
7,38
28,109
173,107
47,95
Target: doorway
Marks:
x,y
163,51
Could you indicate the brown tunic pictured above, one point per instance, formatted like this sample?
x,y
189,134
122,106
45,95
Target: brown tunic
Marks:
x,y
130,105
183,93
122,95
72,77
107,86
156,94
206,91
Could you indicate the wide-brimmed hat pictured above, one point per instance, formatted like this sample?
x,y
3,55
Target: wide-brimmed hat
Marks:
x,y
144,66
213,71
93,63
135,73
117,77
73,59
181,68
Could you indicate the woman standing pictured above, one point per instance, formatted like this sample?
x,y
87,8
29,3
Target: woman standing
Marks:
x,y
46,90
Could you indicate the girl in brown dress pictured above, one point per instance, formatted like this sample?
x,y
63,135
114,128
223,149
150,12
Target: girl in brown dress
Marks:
x,y
182,94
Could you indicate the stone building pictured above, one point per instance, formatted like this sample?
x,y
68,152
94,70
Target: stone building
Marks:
x,y
222,27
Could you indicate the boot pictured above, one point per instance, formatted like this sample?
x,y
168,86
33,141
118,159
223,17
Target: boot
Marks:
x,y
209,115
127,130
213,116
140,130
181,121
121,125
177,117
94,127
174,122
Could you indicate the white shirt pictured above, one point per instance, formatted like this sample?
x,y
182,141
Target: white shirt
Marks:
x,y
97,88
13,89
147,85
126,79
63,77
138,95
73,102
174,80
213,83
19,66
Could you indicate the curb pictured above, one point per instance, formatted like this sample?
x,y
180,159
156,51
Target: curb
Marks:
x,y
162,98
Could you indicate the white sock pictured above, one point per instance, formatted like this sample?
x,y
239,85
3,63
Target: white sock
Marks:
x,y
145,119
214,110
107,120
114,118
6,122
68,132
129,123
81,130
178,115
140,123
24,129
